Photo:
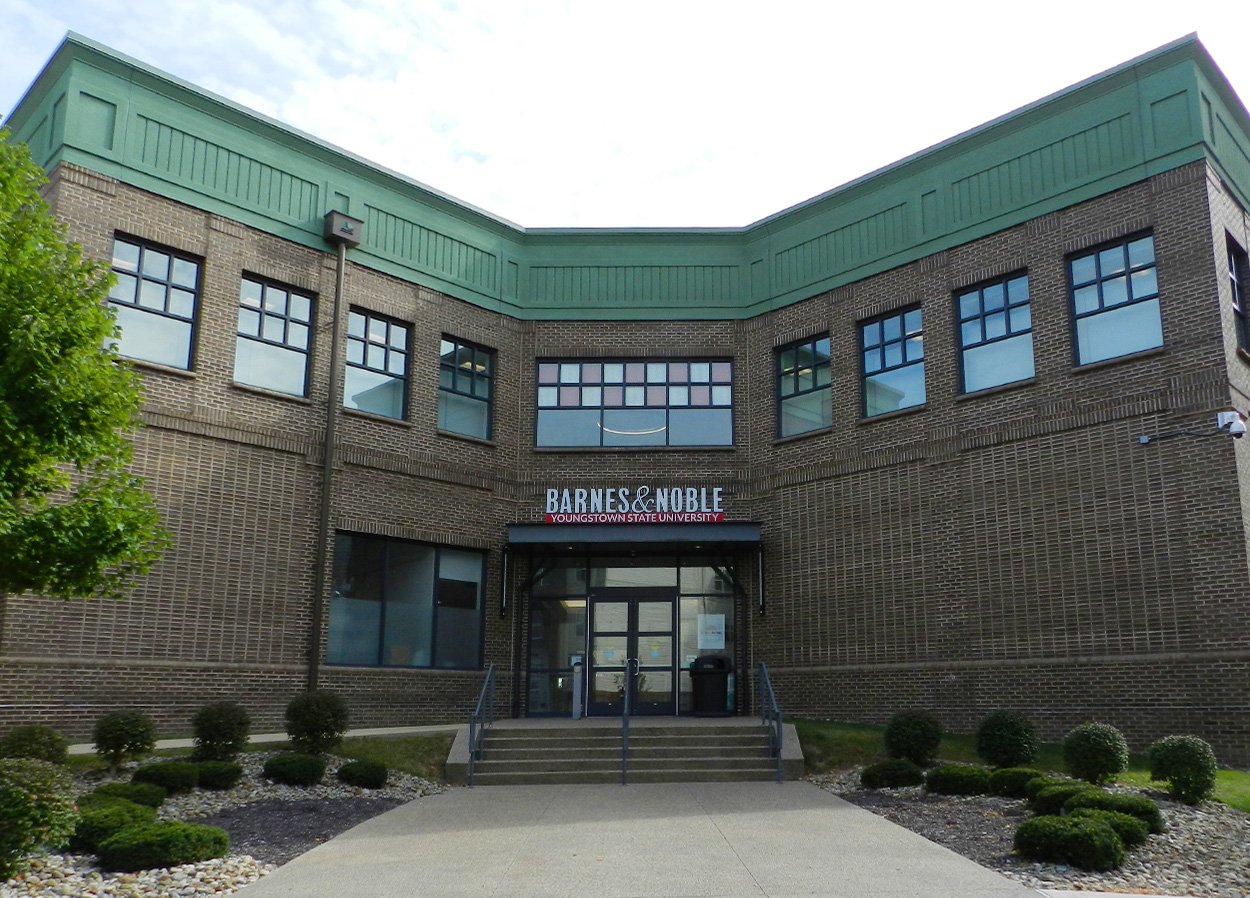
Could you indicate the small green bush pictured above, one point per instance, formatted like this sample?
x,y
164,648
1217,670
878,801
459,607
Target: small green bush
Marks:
x,y
165,843
123,734
1131,830
219,775
957,779
1052,799
365,774
221,731
1138,806
891,774
1011,781
1095,752
914,735
1006,739
174,777
36,808
1080,842
316,721
1037,784
1187,763
148,794
34,741
295,769
98,821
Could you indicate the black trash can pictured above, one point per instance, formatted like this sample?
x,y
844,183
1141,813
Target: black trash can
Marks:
x,y
709,679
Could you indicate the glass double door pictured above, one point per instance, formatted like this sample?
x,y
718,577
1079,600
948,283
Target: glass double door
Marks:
x,y
632,647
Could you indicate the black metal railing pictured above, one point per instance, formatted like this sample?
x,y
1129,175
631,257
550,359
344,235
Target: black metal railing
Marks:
x,y
483,716
770,714
630,667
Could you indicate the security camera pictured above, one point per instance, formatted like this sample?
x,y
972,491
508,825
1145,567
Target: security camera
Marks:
x,y
1231,422
1237,429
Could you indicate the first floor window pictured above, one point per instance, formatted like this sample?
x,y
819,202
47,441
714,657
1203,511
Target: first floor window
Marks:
x,y
892,349
404,604
635,403
271,350
803,393
1115,300
1239,281
465,387
995,334
154,299
377,364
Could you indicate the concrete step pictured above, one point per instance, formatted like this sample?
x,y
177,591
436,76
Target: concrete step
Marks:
x,y
508,753
558,762
688,775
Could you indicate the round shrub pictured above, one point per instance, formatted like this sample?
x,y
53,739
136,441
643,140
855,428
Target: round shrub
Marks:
x,y
221,731
1052,799
914,735
1006,739
957,779
165,843
891,774
316,721
1131,830
1079,842
295,769
173,776
1095,752
148,794
34,741
36,808
120,735
1188,765
99,820
1038,783
1138,806
219,775
365,774
1011,781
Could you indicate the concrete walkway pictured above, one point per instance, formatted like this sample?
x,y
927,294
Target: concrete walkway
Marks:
x,y
711,840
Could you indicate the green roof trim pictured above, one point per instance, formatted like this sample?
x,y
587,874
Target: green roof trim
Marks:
x,y
97,108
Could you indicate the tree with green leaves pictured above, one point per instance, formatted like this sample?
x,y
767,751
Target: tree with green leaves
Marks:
x,y
73,520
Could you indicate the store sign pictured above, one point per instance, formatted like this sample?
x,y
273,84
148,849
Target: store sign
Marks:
x,y
636,505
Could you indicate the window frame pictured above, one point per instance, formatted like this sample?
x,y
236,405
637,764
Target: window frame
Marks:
x,y
861,349
1095,252
197,293
780,374
266,284
488,377
390,322
1239,283
979,288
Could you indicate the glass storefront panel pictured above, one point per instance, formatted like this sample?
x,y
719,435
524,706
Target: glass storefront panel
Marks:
x,y
557,633
551,693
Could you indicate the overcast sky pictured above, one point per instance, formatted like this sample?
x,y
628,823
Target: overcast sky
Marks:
x,y
646,113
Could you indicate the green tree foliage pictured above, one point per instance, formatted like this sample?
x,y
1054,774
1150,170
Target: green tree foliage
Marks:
x,y
73,521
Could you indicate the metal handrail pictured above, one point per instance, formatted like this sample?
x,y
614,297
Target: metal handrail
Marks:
x,y
483,716
770,714
630,664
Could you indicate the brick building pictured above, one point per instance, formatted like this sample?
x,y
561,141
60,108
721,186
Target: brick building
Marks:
x,y
885,441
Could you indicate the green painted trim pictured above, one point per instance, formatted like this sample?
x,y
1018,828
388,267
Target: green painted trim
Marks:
x,y
99,109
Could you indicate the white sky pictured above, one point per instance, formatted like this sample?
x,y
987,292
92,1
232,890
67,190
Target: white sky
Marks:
x,y
645,113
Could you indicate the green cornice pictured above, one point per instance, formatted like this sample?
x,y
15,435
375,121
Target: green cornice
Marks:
x,y
94,107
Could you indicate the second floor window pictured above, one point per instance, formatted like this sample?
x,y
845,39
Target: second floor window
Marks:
x,y
154,299
995,334
271,350
804,400
892,349
1115,300
465,388
376,376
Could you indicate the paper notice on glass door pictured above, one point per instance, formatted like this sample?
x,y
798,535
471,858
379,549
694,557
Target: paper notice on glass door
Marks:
x,y
712,632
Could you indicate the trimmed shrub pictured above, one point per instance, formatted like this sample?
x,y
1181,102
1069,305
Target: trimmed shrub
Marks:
x,y
36,808
1188,765
1079,842
1011,781
1006,739
914,735
34,741
148,794
295,769
218,775
1037,784
1095,752
891,774
120,735
316,721
221,731
365,774
1138,806
165,843
1131,830
957,779
172,776
1052,799
100,820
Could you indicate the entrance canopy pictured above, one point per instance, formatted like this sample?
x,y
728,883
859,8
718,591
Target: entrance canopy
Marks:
x,y
607,537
